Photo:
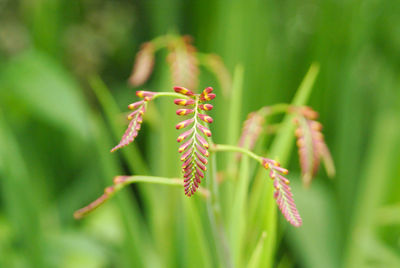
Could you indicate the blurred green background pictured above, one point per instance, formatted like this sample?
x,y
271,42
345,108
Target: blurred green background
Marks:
x,y
56,132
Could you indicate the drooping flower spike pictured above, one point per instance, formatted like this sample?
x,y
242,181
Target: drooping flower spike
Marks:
x,y
136,118
310,141
282,193
311,145
251,130
183,63
194,147
143,66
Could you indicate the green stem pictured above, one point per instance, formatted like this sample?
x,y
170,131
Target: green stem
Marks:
x,y
276,109
151,179
122,181
162,41
232,148
169,94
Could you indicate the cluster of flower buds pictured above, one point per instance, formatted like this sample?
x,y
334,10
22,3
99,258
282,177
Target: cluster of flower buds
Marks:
x,y
183,62
311,145
194,148
136,118
251,130
282,193
143,66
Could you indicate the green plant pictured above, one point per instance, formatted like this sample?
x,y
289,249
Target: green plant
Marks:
x,y
198,149
226,206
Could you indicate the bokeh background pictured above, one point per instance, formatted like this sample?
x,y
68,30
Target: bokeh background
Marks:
x,y
56,132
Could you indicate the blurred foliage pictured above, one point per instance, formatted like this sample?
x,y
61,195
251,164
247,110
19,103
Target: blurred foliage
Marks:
x,y
55,131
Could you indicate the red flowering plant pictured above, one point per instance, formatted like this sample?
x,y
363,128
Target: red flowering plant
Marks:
x,y
196,139
197,150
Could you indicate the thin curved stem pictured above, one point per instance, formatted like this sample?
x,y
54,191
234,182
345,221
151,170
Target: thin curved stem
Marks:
x,y
232,148
122,181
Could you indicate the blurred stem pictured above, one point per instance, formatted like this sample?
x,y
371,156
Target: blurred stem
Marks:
x,y
237,222
214,212
235,108
163,40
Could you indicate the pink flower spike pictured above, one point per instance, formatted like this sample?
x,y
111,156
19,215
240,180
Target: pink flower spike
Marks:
x,y
143,65
194,150
282,193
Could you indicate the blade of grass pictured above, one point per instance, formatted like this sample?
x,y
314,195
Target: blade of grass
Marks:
x,y
233,125
235,107
197,245
237,220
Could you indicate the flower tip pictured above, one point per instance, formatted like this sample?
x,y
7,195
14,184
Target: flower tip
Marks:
x,y
183,91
